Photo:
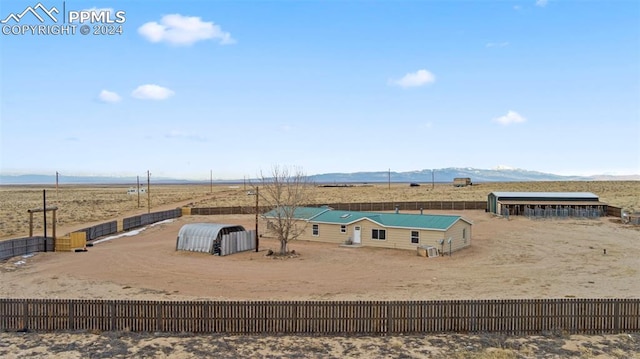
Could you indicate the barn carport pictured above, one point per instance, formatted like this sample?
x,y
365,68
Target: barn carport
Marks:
x,y
546,204
204,237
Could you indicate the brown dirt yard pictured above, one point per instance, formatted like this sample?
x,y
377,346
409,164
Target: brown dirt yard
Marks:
x,y
517,258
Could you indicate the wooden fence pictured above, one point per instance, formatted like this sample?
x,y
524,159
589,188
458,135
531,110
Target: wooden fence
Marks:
x,y
100,230
21,246
149,218
410,206
513,316
358,206
614,211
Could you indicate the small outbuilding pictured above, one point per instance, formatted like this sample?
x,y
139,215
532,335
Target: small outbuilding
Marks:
x,y
462,182
214,238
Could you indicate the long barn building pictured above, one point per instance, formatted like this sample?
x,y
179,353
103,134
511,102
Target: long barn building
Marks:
x,y
545,203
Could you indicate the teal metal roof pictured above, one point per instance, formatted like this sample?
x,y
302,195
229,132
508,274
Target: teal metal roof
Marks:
x,y
401,220
398,220
305,213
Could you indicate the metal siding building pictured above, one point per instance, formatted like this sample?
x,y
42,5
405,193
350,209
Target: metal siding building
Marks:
x,y
204,237
517,202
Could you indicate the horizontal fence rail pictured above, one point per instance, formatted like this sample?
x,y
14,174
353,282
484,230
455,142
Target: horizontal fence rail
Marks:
x,y
208,211
512,316
149,218
358,206
100,230
410,206
21,246
614,211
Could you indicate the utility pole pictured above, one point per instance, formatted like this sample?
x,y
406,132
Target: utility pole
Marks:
x,y
211,179
44,211
138,189
57,198
257,207
389,178
148,191
433,179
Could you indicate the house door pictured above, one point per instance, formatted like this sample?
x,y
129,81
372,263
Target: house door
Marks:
x,y
356,235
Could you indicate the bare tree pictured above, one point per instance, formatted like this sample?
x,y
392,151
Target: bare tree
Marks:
x,y
284,191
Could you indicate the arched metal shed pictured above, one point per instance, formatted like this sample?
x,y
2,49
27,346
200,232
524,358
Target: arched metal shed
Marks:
x,y
204,237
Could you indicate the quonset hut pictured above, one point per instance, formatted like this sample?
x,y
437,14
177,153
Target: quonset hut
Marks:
x,y
204,237
549,204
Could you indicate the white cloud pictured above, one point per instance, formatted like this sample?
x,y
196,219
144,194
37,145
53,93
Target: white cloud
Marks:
x,y
152,92
183,30
109,97
509,118
185,135
497,44
415,79
541,3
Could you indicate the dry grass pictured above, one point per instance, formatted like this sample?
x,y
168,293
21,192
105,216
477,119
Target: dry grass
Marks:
x,y
458,346
85,204
539,264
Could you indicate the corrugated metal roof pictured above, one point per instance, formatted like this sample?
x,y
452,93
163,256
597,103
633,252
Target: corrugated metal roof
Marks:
x,y
534,195
199,237
305,213
562,203
402,220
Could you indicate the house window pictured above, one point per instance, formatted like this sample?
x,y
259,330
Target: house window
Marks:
x,y
464,234
415,237
316,230
343,229
379,234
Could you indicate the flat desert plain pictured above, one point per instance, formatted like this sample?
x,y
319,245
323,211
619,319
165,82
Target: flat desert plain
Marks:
x,y
516,258
83,205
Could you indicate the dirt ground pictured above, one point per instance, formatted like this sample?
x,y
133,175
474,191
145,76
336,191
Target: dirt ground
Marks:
x,y
516,258
81,206
444,346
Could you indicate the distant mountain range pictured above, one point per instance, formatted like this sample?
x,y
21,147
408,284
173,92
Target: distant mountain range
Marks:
x,y
448,174
422,176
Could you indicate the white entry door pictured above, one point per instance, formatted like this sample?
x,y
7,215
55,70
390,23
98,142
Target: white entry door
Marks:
x,y
356,235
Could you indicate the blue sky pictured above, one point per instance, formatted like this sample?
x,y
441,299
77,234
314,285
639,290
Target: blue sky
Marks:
x,y
231,87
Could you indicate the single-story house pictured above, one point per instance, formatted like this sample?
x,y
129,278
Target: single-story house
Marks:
x,y
520,203
388,230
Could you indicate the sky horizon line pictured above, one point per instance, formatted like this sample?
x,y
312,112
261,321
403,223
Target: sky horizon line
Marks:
x,y
184,87
207,177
